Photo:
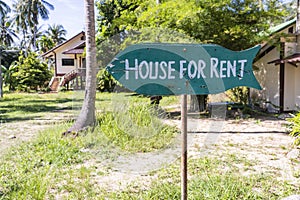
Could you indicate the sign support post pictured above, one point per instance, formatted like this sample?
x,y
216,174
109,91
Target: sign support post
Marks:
x,y
184,147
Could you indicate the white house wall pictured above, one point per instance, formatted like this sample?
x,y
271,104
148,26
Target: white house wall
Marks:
x,y
59,55
64,69
297,88
289,88
268,77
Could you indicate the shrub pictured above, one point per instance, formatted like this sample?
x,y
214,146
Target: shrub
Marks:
x,y
238,95
30,73
106,83
295,128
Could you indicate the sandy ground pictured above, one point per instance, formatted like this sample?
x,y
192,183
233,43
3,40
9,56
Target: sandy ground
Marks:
x,y
264,141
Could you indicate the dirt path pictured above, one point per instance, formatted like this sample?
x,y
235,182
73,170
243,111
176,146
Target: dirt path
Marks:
x,y
12,133
265,143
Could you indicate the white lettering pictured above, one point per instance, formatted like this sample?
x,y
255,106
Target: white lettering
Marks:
x,y
170,70
155,70
146,69
182,69
194,65
201,66
231,68
193,69
213,67
162,66
128,68
222,69
242,67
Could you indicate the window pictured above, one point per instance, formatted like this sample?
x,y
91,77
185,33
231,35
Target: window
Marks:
x,y
67,62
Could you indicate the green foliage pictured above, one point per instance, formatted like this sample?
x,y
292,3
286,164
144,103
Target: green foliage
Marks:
x,y
136,128
295,126
29,169
238,95
209,180
30,73
51,166
235,25
105,81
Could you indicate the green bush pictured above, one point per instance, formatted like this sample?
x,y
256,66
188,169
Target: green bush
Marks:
x,y
238,95
30,73
106,83
296,128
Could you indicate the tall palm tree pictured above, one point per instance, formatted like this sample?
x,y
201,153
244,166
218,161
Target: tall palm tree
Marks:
x,y
27,15
57,33
7,34
45,43
4,8
87,116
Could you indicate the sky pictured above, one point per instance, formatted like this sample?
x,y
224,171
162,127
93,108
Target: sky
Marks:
x,y
69,13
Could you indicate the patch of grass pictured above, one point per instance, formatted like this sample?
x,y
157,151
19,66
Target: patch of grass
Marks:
x,y
27,106
209,180
136,128
54,167
28,170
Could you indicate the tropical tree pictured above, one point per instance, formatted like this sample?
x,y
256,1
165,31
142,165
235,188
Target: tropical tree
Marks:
x,y
45,43
4,8
234,24
87,116
57,33
27,15
7,34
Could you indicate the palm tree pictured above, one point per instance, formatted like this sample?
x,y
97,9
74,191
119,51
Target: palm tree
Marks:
x,y
27,14
4,8
57,33
7,34
87,116
45,43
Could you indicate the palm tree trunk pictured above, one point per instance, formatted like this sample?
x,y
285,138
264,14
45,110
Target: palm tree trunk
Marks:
x,y
87,117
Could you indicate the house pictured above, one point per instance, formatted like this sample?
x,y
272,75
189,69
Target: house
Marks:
x,y
69,63
277,70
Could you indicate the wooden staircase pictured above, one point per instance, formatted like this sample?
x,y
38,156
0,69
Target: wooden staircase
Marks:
x,y
57,82
54,84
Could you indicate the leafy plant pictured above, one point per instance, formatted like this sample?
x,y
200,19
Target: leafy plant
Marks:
x,y
238,95
106,83
295,126
30,73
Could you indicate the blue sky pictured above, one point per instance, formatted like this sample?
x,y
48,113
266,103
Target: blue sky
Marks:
x,y
69,13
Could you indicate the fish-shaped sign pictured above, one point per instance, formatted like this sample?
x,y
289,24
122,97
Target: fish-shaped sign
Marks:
x,y
174,69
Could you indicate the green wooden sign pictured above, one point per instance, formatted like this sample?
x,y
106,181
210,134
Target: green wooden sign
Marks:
x,y
174,69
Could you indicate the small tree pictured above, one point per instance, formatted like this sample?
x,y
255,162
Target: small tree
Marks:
x,y
30,73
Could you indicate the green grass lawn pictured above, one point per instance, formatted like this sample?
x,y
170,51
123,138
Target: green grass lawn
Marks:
x,y
54,167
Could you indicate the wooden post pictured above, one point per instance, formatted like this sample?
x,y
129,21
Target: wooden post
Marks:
x,y
184,147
